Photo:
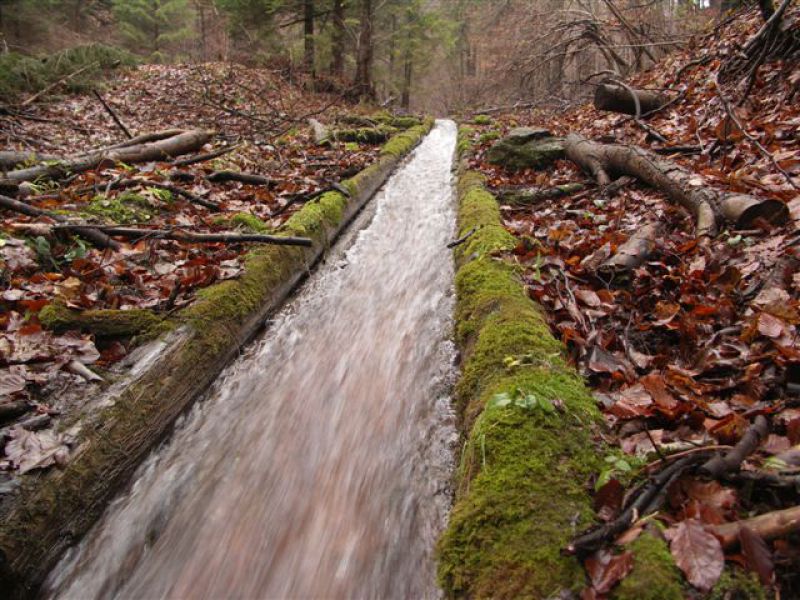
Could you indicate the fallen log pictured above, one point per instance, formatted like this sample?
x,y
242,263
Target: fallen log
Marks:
x,y
10,159
534,196
154,151
616,98
768,526
96,237
708,206
634,252
136,233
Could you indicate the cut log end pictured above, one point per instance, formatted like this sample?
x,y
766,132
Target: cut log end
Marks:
x,y
746,211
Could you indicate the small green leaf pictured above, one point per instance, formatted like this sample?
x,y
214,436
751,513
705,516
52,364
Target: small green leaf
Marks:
x,y
547,405
500,400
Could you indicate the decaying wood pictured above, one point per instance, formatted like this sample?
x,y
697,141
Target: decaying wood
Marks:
x,y
634,252
708,206
248,178
769,526
10,159
12,410
93,235
719,464
189,237
618,98
534,196
163,149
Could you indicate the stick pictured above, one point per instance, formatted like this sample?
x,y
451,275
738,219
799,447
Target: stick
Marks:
x,y
462,239
113,114
719,465
193,198
55,84
769,526
98,238
185,162
248,178
191,237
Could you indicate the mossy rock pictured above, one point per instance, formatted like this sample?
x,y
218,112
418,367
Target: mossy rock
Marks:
x,y
365,135
526,150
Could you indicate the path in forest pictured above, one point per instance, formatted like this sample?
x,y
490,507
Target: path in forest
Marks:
x,y
318,465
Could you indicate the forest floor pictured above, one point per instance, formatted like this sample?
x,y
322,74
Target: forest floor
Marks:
x,y
691,347
260,125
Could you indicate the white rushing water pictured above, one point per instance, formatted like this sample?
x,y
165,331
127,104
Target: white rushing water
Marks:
x,y
318,464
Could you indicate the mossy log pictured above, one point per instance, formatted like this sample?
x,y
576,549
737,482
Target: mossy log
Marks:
x,y
102,323
523,482
534,196
616,98
372,121
366,135
51,511
709,207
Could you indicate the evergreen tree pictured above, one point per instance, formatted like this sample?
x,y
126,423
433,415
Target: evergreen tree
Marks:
x,y
153,26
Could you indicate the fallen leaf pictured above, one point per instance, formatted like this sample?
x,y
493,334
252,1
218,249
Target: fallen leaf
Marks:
x,y
757,555
697,553
606,570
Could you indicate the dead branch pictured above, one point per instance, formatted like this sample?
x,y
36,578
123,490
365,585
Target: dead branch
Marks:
x,y
188,237
708,206
634,252
621,98
185,162
113,115
534,196
248,178
98,238
768,526
160,150
719,465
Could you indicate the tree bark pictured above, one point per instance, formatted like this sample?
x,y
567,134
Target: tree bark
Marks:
x,y
634,252
338,38
155,151
363,82
615,98
709,207
308,37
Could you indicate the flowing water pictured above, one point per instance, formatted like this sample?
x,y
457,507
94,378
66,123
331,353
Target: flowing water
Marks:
x,y
318,464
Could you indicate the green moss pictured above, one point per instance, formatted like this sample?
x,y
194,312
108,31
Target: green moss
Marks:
x,y
523,485
464,142
352,147
404,142
489,136
103,323
127,208
522,496
736,584
482,120
246,221
654,575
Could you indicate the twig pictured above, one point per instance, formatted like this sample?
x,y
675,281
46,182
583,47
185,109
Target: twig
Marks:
x,y
191,237
462,239
719,465
185,162
248,178
764,152
113,114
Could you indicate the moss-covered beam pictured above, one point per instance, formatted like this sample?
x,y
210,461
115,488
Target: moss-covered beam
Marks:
x,y
50,511
102,323
524,481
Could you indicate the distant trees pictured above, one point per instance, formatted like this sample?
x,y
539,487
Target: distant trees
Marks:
x,y
152,26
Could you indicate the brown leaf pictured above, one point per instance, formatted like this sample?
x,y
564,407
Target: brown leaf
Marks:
x,y
589,298
632,402
770,326
697,553
606,570
608,500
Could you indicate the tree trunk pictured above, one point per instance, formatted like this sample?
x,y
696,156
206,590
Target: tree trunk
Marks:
x,y
708,206
408,71
616,98
308,37
161,150
363,81
338,37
